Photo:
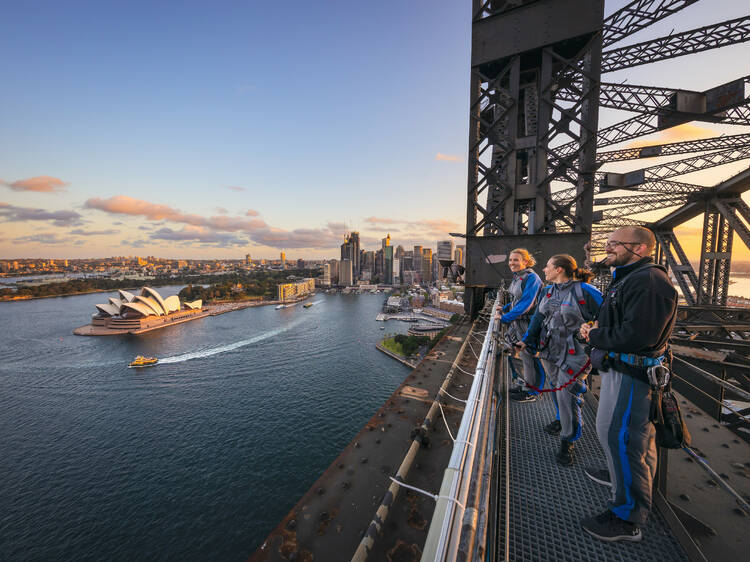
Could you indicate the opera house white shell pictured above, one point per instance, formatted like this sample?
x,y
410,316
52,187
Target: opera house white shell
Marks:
x,y
148,303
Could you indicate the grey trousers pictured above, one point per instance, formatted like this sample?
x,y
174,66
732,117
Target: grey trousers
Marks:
x,y
568,401
627,437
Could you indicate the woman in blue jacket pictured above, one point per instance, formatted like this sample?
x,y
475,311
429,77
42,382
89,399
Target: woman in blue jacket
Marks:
x,y
516,315
564,305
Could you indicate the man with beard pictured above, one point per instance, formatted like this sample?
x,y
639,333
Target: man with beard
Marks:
x,y
631,335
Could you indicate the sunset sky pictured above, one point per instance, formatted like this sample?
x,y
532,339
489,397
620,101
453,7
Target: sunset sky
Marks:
x,y
213,130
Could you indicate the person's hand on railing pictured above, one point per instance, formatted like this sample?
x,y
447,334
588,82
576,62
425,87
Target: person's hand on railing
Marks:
x,y
587,327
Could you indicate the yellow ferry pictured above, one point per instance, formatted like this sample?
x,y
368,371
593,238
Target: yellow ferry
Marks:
x,y
141,361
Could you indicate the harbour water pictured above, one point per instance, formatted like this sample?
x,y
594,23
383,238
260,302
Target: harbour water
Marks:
x,y
198,457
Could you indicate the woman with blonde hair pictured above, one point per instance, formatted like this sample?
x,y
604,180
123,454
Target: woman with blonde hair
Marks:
x,y
564,305
516,315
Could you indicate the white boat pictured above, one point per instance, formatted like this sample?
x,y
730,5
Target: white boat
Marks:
x,y
280,306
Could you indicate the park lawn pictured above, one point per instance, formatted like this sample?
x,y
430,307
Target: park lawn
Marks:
x,y
391,345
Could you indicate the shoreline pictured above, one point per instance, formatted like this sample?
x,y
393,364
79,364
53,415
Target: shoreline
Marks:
x,y
400,359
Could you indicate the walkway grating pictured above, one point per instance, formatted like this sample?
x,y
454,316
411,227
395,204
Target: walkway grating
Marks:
x,y
548,501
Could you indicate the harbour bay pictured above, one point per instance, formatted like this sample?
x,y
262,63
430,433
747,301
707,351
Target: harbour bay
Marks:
x,y
195,458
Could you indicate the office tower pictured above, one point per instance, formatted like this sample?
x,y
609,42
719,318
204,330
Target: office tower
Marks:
x,y
427,265
283,260
388,264
416,261
379,267
350,250
248,261
334,271
327,274
386,241
345,273
396,277
356,264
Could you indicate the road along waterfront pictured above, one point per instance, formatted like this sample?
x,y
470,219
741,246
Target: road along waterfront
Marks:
x,y
198,457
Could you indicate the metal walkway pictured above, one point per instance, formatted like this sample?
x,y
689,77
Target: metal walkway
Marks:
x,y
547,501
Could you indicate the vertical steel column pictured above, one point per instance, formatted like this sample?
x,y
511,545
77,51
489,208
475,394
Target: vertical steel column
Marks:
x,y
716,256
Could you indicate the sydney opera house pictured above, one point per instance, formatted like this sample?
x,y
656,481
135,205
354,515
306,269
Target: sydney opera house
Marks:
x,y
145,311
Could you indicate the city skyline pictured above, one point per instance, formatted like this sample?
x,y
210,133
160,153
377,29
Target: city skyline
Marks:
x,y
198,133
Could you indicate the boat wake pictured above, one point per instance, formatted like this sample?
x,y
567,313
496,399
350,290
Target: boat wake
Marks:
x,y
229,347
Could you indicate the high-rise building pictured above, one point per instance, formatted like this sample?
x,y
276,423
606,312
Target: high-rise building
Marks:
x,y
388,264
345,273
327,274
386,241
248,261
416,261
334,271
350,251
427,265
283,260
396,277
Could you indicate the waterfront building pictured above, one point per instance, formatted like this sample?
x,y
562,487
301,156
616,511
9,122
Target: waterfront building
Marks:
x,y
147,310
379,265
334,271
291,291
283,260
346,273
368,264
326,274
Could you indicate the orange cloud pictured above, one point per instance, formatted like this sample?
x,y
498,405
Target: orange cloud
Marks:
x,y
684,132
447,157
41,184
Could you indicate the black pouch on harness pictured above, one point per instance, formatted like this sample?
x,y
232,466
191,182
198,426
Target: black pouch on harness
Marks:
x,y
671,431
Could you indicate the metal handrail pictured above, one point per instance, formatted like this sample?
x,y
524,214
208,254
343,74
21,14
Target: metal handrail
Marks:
x,y
445,530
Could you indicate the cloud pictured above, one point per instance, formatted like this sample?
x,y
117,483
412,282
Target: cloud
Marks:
x,y
684,132
10,213
440,157
124,205
380,220
252,213
145,227
222,210
81,232
235,188
199,234
118,223
46,238
41,184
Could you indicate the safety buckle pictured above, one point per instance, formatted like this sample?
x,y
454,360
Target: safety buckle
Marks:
x,y
658,376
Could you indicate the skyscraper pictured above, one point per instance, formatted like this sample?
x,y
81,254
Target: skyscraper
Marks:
x,y
386,241
350,251
283,260
388,264
427,265
416,261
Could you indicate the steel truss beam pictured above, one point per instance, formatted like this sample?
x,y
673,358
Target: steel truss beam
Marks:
x,y
716,258
676,259
728,210
638,15
674,148
705,38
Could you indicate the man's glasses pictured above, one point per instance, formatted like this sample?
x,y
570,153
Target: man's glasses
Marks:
x,y
615,243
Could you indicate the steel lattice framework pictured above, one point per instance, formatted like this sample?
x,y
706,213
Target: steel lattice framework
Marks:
x,y
536,151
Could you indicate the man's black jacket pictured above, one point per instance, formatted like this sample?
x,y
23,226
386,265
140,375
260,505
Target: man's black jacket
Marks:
x,y
637,315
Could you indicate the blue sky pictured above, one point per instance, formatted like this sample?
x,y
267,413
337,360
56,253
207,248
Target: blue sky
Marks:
x,y
198,130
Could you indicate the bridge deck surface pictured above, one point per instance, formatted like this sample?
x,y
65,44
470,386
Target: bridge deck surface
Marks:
x,y
547,501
